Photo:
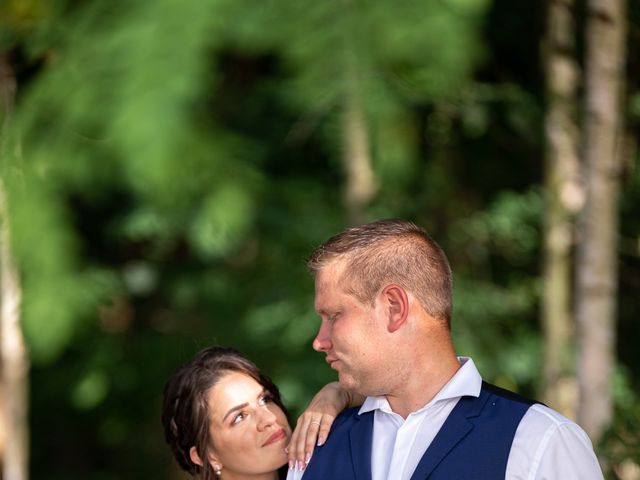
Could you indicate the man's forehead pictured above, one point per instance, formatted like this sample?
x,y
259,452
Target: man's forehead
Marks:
x,y
333,267
329,280
329,275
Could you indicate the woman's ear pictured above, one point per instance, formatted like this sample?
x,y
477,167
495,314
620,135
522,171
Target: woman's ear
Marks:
x,y
195,458
397,305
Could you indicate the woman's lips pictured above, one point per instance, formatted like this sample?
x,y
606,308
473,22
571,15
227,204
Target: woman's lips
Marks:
x,y
276,437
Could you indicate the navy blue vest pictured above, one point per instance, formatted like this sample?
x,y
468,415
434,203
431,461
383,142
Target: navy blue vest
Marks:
x,y
473,443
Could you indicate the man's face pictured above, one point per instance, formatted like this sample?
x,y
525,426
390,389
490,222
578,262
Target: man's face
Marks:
x,y
350,333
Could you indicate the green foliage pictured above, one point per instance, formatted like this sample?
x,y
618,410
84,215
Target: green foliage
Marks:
x,y
171,163
224,219
57,291
510,227
620,445
117,106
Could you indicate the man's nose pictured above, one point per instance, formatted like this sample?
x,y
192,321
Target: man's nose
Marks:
x,y
322,342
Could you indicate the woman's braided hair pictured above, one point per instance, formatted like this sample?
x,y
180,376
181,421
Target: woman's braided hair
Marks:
x,y
185,410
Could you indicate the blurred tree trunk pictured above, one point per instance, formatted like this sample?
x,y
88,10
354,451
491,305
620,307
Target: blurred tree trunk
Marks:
x,y
596,269
13,357
563,197
360,185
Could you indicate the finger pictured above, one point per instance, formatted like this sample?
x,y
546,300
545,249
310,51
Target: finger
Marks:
x,y
305,440
297,444
316,434
308,433
291,449
306,443
311,439
325,428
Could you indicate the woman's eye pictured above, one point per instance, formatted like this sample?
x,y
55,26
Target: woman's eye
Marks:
x,y
238,418
265,399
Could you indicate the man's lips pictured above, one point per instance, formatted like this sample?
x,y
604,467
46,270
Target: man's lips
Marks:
x,y
276,437
331,360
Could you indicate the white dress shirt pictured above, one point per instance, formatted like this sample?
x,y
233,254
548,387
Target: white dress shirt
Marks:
x,y
546,445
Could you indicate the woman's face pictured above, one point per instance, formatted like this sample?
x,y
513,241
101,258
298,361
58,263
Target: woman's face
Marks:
x,y
248,430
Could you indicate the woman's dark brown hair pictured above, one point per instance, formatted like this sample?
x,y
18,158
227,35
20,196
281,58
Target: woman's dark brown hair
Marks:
x,y
185,411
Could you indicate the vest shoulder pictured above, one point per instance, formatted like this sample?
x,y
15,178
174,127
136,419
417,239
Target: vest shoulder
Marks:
x,y
346,416
343,423
507,394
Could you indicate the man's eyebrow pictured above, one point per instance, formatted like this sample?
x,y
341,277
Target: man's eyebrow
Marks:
x,y
234,409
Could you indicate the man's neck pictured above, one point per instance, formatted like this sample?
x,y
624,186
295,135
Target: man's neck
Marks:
x,y
422,387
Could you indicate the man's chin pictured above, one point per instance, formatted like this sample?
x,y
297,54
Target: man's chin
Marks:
x,y
347,382
353,385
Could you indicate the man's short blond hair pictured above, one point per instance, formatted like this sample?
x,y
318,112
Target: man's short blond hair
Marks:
x,y
390,251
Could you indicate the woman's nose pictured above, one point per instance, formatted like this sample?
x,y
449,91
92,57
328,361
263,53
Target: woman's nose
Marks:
x,y
266,418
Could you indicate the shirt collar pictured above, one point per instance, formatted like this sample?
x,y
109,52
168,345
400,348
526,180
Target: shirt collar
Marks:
x,y
465,382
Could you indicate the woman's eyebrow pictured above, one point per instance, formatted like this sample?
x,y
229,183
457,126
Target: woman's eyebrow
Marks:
x,y
235,409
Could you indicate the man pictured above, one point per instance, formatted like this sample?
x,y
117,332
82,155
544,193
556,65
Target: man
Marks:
x,y
383,292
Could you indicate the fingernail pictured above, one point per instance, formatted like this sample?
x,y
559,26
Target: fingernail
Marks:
x,y
321,441
308,457
290,464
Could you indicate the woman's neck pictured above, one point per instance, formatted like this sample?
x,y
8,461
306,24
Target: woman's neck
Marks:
x,y
259,476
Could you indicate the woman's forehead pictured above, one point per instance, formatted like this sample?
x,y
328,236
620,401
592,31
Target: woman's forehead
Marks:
x,y
233,387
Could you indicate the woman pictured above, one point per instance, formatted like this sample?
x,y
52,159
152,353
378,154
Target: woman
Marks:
x,y
222,418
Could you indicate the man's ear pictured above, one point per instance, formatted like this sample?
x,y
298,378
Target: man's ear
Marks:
x,y
396,302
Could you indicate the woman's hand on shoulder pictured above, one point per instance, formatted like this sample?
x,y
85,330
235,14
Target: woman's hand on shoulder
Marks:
x,y
315,422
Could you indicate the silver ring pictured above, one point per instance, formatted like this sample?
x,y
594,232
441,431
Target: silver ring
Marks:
x,y
314,421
